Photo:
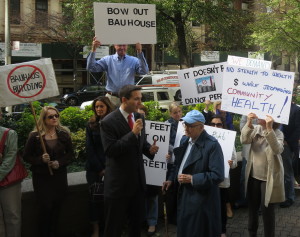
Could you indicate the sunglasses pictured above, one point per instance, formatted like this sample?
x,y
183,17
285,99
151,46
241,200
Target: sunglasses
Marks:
x,y
216,124
53,116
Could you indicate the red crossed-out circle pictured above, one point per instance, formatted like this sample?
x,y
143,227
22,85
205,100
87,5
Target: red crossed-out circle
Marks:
x,y
26,82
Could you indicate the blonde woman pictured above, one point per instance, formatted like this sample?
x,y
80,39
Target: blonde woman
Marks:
x,y
49,189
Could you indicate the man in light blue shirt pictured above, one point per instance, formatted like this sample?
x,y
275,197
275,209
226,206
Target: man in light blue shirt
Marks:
x,y
120,68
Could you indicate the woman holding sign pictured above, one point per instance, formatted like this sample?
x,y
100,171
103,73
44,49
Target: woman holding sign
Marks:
x,y
218,121
49,189
264,172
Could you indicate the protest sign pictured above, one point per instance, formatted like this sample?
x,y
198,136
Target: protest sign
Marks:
x,y
249,62
26,82
201,83
120,23
225,137
156,169
263,92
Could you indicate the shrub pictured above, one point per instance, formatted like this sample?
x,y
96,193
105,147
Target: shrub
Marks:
x,y
154,113
78,140
74,118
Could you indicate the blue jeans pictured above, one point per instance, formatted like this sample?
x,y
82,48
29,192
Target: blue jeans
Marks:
x,y
152,210
287,159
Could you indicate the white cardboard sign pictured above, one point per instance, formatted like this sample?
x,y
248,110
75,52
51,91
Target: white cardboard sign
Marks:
x,y
156,169
120,23
263,92
25,82
201,83
226,139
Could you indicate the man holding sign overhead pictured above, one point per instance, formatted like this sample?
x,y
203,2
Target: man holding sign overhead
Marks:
x,y
120,68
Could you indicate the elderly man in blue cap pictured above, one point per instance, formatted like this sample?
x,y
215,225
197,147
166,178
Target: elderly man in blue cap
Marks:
x,y
200,168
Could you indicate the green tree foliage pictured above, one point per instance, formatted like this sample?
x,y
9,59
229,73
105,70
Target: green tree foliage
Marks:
x,y
225,25
277,27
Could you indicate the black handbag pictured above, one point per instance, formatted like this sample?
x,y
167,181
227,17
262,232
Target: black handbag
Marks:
x,y
96,192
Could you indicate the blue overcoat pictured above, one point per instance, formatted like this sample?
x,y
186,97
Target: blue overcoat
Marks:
x,y
199,213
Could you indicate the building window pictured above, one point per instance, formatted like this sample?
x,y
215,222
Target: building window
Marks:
x,y
41,12
15,16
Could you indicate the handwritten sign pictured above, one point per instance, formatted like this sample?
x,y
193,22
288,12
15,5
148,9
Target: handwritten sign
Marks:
x,y
25,82
120,23
264,92
156,169
249,62
201,83
226,139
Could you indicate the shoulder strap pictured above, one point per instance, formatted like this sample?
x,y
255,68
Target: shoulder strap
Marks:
x,y
3,139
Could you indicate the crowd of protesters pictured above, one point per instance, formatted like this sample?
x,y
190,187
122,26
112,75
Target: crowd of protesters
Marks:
x,y
196,189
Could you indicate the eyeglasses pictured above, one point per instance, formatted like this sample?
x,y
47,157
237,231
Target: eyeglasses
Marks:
x,y
187,125
53,116
219,125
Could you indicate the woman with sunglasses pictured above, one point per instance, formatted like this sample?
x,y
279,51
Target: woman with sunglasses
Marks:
x,y
49,189
95,165
218,121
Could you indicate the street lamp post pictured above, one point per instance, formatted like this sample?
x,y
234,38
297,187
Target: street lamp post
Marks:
x,y
7,33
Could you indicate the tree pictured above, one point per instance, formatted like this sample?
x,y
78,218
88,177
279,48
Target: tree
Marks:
x,y
174,20
277,27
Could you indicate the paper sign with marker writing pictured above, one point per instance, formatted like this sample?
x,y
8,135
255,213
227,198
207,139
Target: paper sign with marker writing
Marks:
x,y
25,82
263,92
225,137
249,62
156,169
120,23
201,83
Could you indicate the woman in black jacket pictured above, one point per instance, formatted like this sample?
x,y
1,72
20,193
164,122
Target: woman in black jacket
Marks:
x,y
50,190
95,165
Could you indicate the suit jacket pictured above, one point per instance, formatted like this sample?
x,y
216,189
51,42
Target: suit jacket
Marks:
x,y
124,173
292,130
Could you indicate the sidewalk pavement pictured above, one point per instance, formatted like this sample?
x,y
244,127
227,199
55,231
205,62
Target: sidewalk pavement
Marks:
x,y
287,223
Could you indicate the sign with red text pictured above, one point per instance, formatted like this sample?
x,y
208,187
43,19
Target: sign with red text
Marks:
x,y
156,169
25,82
263,92
201,83
121,23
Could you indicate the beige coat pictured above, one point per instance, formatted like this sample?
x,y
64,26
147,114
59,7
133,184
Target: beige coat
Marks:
x,y
275,176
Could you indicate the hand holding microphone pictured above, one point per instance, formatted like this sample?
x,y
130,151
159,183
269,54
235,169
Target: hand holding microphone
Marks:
x,y
137,126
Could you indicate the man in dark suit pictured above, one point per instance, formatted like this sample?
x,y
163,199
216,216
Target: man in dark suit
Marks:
x,y
290,154
124,143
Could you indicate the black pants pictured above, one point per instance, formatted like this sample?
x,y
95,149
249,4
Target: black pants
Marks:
x,y
224,200
256,198
118,210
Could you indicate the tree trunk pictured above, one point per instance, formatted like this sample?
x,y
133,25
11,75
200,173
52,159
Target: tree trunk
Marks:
x,y
182,49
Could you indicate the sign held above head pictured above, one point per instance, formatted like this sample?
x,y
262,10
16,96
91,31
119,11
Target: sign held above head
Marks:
x,y
120,23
